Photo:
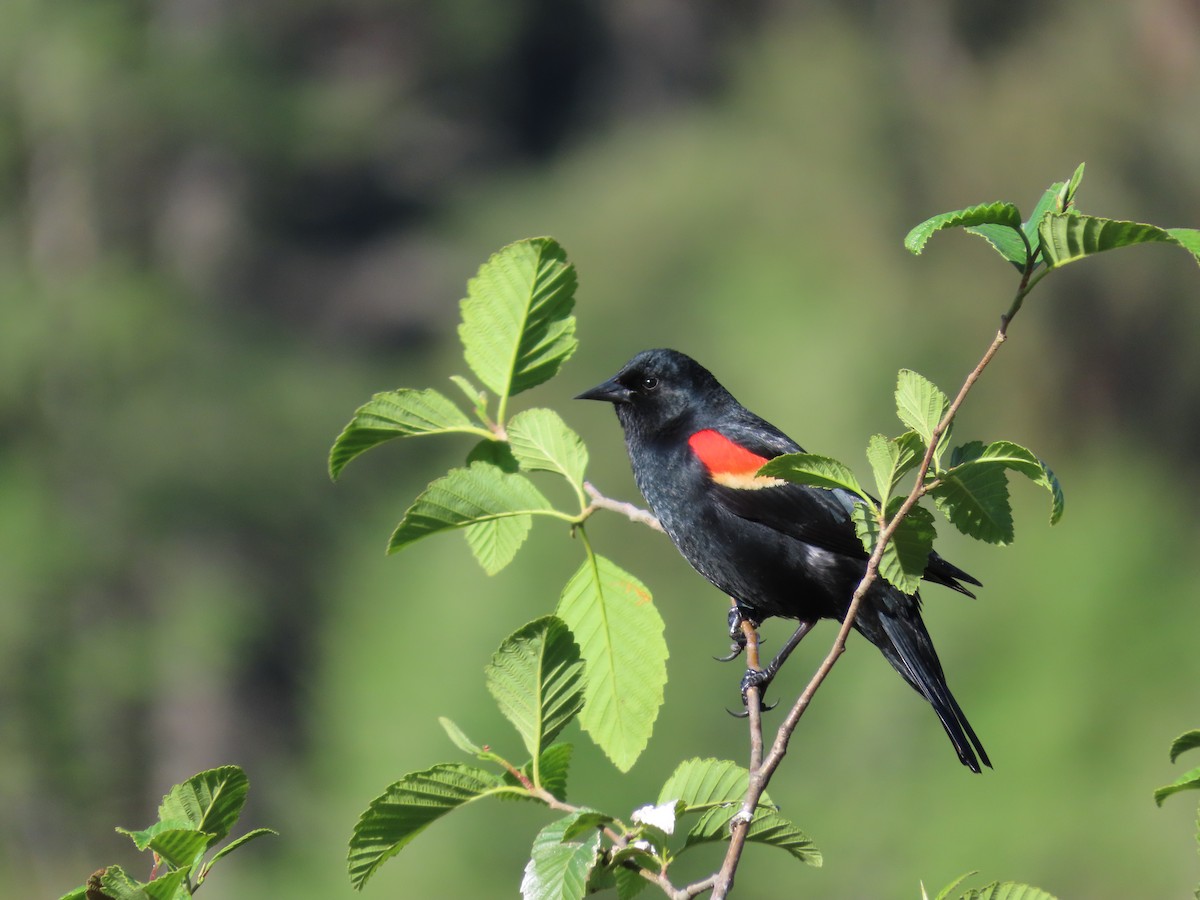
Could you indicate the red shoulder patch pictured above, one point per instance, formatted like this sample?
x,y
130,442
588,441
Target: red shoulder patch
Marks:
x,y
721,456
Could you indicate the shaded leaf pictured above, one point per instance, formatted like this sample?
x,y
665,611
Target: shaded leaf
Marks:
x,y
480,493
392,414
584,823
181,846
810,469
408,807
517,329
238,843
620,633
999,213
119,886
553,768
1067,237
905,557
558,869
767,827
537,679
892,459
541,440
1015,458
974,497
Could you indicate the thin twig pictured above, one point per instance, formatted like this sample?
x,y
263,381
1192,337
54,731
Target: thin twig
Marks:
x,y
635,513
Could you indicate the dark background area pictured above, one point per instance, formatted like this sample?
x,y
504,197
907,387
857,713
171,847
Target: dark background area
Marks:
x,y
223,226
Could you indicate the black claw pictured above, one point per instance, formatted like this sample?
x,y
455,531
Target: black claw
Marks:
x,y
744,714
734,652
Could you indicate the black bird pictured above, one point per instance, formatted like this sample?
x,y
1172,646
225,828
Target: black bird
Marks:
x,y
776,548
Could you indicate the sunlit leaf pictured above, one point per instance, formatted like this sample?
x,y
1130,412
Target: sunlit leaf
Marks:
x,y
1067,237
517,329
1188,782
974,498
238,843
920,404
541,440
620,632
558,869
393,414
813,470
1007,890
119,886
892,459
1016,458
459,738
209,801
999,213
408,807
701,784
1189,740
536,678
907,553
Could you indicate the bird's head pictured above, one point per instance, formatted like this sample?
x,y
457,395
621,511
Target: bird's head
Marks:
x,y
657,388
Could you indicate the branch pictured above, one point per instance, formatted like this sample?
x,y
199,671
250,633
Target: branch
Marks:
x,y
634,513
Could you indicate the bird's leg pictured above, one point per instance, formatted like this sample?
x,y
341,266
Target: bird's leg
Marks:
x,y
737,615
760,678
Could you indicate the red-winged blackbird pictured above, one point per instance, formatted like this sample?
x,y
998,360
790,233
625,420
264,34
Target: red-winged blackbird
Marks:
x,y
776,548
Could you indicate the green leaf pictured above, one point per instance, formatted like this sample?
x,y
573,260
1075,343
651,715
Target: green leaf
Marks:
x,y
541,440
767,827
1067,237
944,893
209,801
80,893
919,403
810,469
892,459
701,784
553,768
620,633
237,844
459,739
1007,890
480,493
1188,782
907,553
973,495
1189,740
537,679
393,414
1004,240
1011,456
999,213
1056,199
119,886
558,869
517,329
476,397
408,807
181,846
584,823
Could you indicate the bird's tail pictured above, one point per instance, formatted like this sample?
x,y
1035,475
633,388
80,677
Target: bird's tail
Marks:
x,y
903,639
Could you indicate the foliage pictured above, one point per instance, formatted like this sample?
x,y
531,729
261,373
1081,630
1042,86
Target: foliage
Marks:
x,y
1190,781
602,657
193,818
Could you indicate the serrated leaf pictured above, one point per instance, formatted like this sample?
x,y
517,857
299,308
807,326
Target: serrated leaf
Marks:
x,y
1004,240
629,883
998,213
517,329
541,441
495,543
558,869
907,553
700,784
920,404
181,846
459,738
209,801
553,768
410,806
620,633
892,459
238,843
944,893
392,414
476,397
767,827
813,470
537,680
1017,459
1007,890
584,823
80,893
1067,237
119,886
477,494
973,496
1188,782
1189,740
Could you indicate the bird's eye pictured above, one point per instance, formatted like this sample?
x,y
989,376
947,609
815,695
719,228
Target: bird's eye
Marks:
x,y
649,383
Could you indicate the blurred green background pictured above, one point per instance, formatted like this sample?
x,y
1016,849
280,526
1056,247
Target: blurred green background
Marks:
x,y
223,226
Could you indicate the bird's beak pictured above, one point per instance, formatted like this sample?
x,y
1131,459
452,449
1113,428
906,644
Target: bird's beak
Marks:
x,y
612,391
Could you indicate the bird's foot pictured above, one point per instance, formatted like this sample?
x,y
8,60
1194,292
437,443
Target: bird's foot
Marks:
x,y
737,615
